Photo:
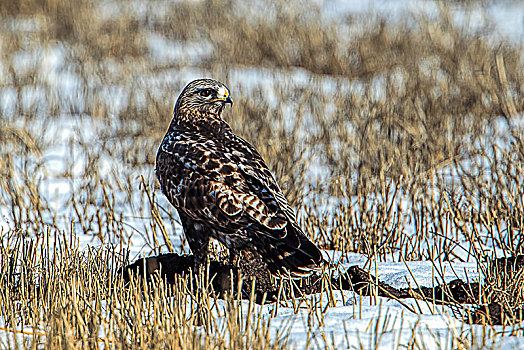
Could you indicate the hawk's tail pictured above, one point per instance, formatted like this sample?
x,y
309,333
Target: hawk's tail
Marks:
x,y
294,253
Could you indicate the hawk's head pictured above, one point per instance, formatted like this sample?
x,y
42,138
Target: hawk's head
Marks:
x,y
204,95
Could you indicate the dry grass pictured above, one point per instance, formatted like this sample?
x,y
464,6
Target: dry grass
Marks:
x,y
403,133
72,298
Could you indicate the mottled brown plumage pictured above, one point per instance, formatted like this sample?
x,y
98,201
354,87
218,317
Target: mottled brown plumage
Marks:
x,y
222,188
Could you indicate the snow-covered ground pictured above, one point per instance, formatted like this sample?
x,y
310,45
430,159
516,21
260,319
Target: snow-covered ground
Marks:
x,y
505,16
355,321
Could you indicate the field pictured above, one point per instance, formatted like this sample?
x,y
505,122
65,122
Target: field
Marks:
x,y
396,132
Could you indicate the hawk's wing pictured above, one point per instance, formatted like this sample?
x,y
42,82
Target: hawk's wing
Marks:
x,y
226,184
225,180
260,179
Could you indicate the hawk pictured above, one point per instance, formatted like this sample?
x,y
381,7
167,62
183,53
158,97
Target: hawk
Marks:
x,y
222,188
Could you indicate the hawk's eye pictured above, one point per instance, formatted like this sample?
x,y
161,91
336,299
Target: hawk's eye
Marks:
x,y
206,92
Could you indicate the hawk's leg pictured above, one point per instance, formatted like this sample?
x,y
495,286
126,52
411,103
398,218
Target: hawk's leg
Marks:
x,y
198,239
235,248
233,257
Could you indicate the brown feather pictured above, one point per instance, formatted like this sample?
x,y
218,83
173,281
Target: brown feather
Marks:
x,y
222,188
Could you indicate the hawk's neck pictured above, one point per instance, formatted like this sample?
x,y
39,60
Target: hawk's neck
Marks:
x,y
201,121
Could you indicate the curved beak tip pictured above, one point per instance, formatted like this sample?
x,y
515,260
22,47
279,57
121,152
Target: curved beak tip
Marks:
x,y
228,100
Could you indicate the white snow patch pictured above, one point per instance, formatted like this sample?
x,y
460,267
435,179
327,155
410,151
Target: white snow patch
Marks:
x,y
163,50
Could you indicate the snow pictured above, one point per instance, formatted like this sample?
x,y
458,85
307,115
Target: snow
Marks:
x,y
169,51
506,17
354,321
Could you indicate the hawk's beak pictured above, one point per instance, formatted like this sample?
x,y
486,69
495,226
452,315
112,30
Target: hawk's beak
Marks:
x,y
225,99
